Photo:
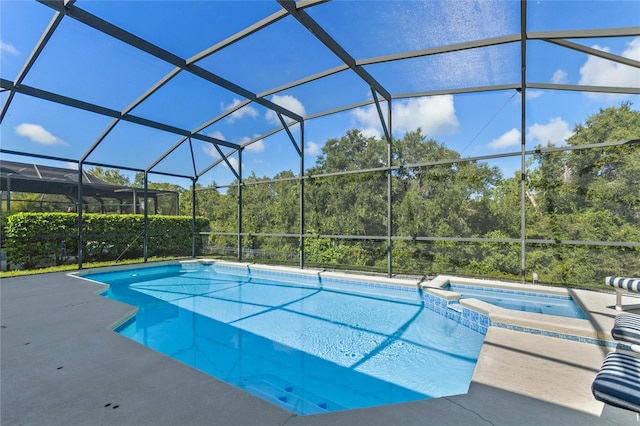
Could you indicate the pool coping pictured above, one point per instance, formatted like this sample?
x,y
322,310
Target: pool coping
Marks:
x,y
520,378
320,273
576,329
581,330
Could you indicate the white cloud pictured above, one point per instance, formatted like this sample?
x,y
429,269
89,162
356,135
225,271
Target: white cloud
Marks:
x,y
434,115
210,150
9,48
257,146
218,135
510,138
601,72
371,132
312,148
556,131
368,120
245,111
534,94
38,134
234,163
559,77
288,102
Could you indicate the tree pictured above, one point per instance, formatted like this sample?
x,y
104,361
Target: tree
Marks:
x,y
445,199
609,177
112,176
587,195
583,195
353,204
605,178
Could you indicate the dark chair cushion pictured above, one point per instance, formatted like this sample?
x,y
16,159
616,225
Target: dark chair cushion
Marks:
x,y
626,327
618,382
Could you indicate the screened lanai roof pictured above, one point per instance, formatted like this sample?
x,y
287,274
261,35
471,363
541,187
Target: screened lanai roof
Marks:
x,y
179,88
32,178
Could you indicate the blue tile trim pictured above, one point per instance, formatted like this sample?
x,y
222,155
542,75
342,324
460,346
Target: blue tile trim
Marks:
x,y
453,286
315,280
452,310
465,316
566,336
480,322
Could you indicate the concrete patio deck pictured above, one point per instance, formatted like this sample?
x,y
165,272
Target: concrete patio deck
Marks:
x,y
63,365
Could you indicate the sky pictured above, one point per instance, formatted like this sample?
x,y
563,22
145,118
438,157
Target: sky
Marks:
x,y
85,64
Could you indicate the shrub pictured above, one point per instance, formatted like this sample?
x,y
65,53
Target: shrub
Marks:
x,y
34,239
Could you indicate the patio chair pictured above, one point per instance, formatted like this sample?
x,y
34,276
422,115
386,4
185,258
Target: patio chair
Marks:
x,y
626,328
618,382
623,285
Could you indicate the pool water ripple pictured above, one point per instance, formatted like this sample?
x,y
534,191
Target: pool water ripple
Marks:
x,y
308,348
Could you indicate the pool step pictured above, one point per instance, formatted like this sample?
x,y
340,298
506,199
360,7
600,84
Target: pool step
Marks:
x,y
288,395
455,307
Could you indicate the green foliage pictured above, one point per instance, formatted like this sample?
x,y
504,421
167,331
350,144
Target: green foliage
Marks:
x,y
577,195
325,251
32,202
587,195
572,196
35,239
112,176
39,238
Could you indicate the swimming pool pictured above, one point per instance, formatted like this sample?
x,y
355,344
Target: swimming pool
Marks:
x,y
541,303
306,343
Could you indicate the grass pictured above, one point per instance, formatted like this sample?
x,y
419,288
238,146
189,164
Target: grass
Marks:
x,y
74,266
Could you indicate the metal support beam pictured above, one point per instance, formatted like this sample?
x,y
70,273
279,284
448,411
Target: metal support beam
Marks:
x,y
595,52
573,34
442,49
301,186
44,39
150,48
320,33
145,206
75,103
263,23
225,159
9,193
389,192
193,217
523,140
291,138
193,158
580,88
134,201
304,80
240,185
126,111
79,207
381,115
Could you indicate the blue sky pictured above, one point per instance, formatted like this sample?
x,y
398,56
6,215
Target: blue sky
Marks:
x,y
82,63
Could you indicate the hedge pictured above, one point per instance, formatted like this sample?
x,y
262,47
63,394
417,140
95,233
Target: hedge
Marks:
x,y
34,239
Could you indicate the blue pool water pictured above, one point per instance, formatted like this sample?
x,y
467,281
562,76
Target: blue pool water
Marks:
x,y
310,347
521,301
